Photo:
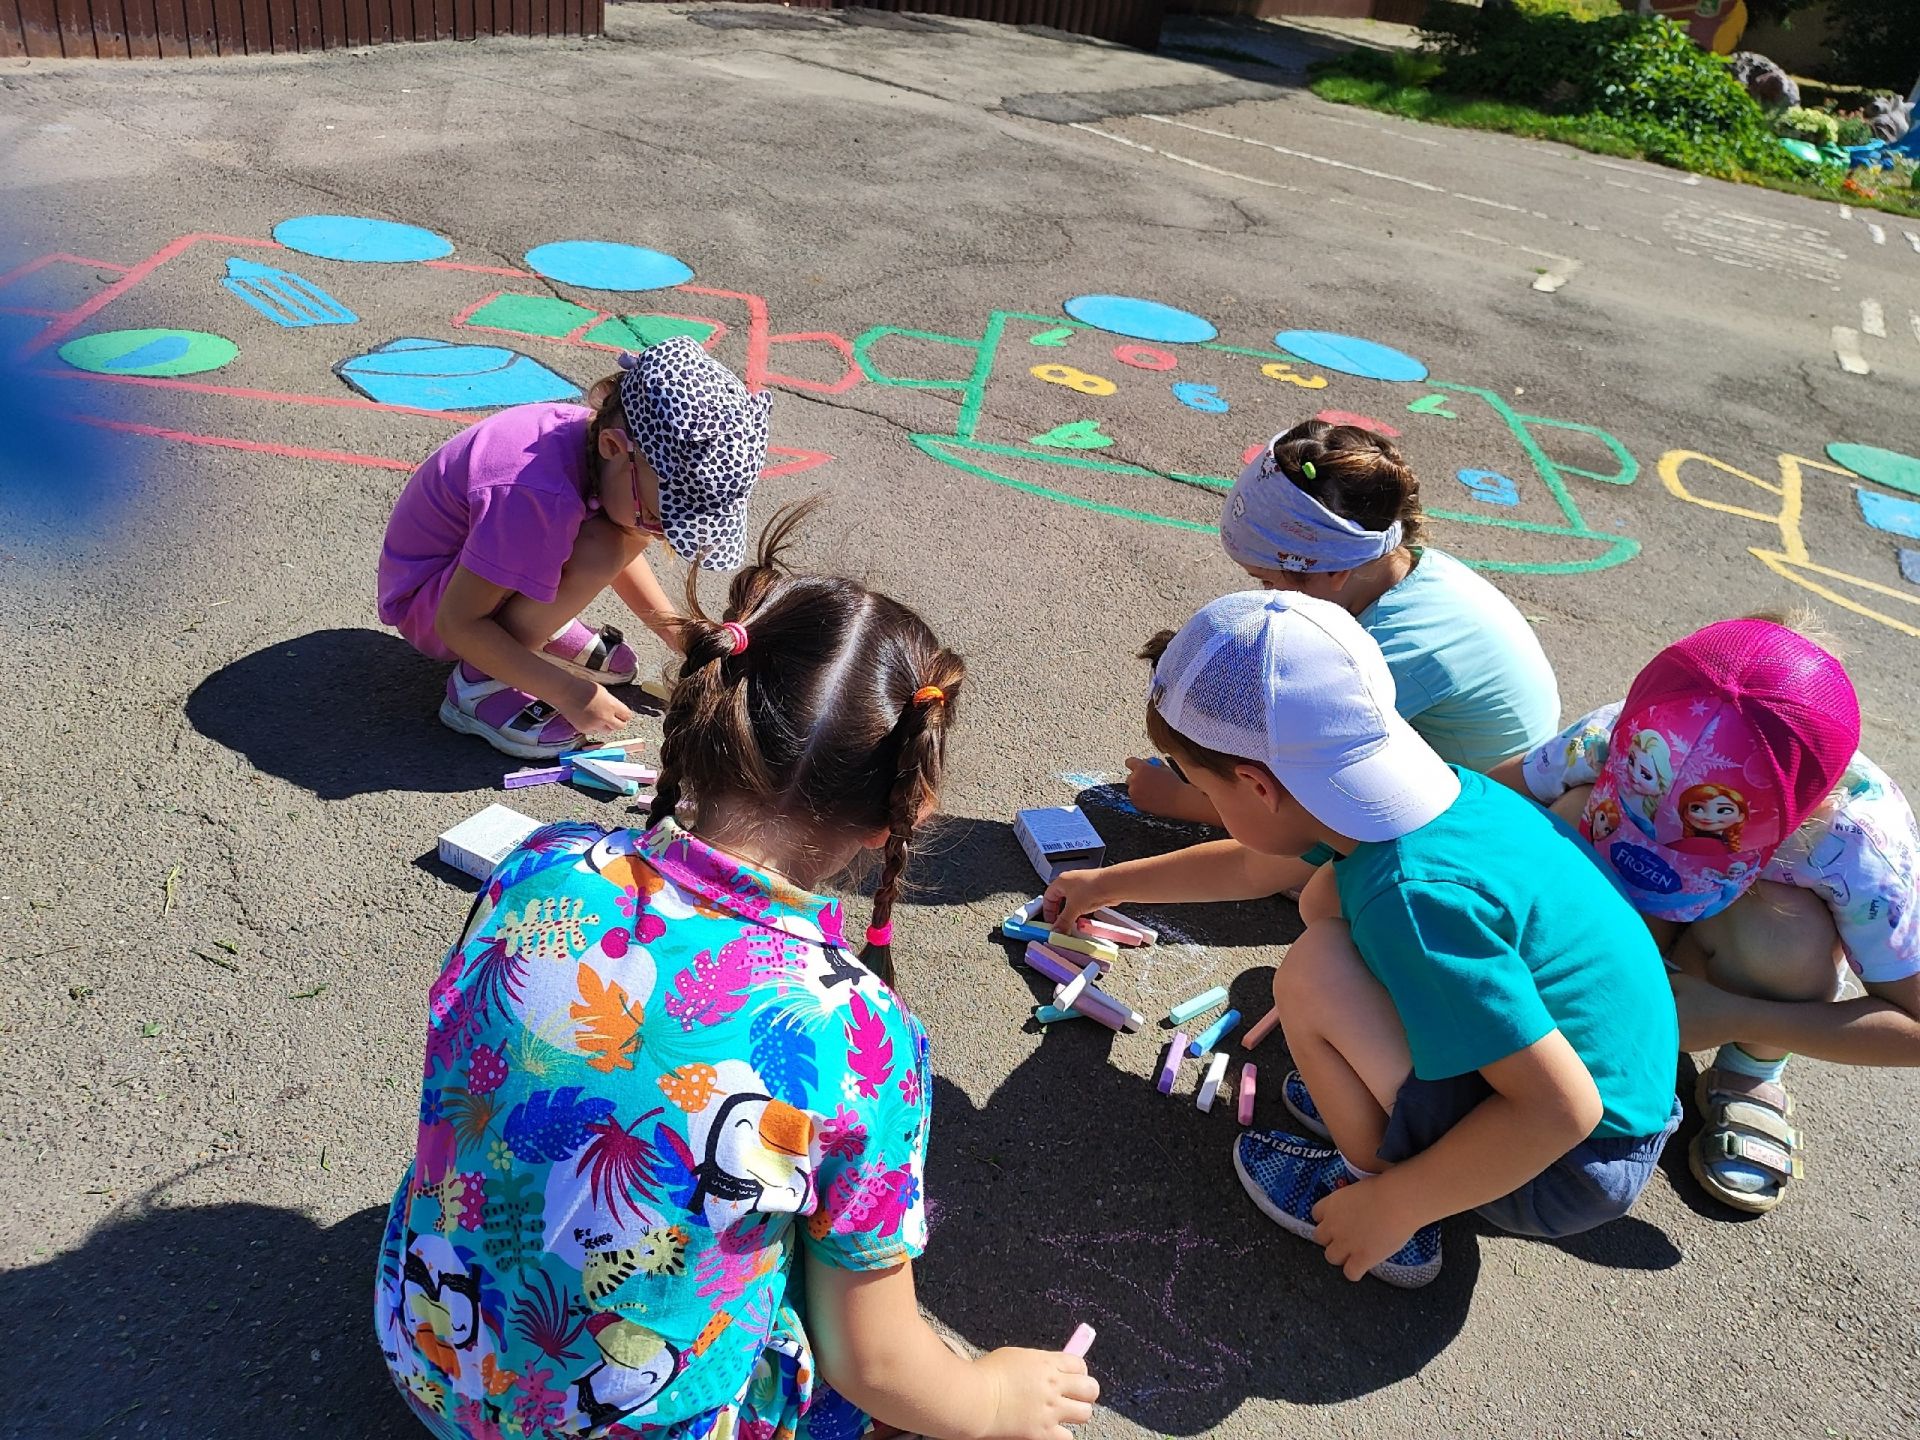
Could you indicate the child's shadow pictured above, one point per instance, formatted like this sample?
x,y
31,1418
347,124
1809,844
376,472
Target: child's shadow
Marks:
x,y
347,712
1079,1193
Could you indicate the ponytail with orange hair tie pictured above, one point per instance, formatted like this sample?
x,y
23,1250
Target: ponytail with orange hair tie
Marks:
x,y
929,695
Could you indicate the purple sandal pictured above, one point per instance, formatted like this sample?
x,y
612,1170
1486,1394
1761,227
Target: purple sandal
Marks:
x,y
510,720
602,655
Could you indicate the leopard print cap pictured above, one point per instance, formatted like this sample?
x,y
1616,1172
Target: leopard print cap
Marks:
x,y
706,437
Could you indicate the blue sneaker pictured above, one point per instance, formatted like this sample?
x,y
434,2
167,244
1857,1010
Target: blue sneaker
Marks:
x,y
1299,1100
1288,1176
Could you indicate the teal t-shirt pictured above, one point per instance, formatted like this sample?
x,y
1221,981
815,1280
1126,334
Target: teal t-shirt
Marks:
x,y
1468,671
1491,926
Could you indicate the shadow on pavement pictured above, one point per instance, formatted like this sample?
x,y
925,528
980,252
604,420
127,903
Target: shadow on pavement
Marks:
x,y
343,713
200,1321
1078,1193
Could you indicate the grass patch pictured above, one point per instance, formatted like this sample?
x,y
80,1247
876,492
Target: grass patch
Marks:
x,y
1413,86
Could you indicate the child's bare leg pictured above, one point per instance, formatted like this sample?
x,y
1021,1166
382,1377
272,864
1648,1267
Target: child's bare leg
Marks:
x,y
1776,942
1344,1035
1156,790
1319,894
602,551
1572,805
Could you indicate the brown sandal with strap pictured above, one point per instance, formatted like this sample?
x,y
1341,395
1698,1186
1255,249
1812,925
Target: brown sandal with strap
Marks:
x,y
1745,1124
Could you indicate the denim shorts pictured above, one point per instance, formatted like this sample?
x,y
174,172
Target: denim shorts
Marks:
x,y
1596,1181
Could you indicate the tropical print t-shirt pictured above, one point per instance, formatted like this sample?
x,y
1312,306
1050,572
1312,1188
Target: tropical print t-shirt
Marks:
x,y
653,1079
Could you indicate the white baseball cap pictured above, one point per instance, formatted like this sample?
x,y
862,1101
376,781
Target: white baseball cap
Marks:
x,y
1296,684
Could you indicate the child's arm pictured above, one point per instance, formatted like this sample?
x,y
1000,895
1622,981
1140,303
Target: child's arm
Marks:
x,y
1154,788
1881,1027
1543,1104
465,624
639,587
1217,870
872,1345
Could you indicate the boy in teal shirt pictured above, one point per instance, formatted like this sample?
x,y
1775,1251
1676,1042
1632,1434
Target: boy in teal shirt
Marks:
x,y
1479,1019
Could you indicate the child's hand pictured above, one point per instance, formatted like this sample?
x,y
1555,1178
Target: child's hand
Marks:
x,y
601,715
1036,1393
1152,787
1075,893
1361,1224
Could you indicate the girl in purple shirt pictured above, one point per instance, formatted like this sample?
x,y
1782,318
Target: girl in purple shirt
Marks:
x,y
510,529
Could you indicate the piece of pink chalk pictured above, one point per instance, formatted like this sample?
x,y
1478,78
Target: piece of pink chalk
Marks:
x,y
1170,1067
1247,1074
1112,934
1080,1342
1260,1031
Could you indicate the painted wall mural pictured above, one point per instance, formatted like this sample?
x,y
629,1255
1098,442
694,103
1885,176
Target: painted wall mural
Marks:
x,y
1130,408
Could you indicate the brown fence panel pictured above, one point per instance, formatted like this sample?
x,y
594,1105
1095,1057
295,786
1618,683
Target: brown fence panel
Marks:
x,y
1131,22
165,29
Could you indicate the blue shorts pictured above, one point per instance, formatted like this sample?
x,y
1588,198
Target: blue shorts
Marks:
x,y
1596,1181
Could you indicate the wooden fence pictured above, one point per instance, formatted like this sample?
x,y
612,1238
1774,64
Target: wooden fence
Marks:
x,y
164,29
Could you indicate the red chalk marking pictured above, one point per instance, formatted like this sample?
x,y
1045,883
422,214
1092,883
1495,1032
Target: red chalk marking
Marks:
x,y
241,392
80,314
228,442
802,460
1142,357
1365,422
57,257
849,375
1253,453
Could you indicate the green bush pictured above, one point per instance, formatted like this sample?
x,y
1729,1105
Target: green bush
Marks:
x,y
1854,131
1816,127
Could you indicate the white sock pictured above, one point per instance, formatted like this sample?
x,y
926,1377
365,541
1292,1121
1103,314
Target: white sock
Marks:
x,y
1355,1171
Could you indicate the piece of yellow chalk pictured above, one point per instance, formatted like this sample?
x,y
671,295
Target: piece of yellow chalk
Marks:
x,y
1098,949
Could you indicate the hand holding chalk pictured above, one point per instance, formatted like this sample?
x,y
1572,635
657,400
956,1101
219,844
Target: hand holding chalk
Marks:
x,y
1081,1341
1035,1392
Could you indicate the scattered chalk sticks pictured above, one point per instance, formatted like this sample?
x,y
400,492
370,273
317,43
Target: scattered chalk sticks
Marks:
x,y
1080,1342
1211,1037
1204,1001
1262,1028
1094,1002
1107,914
1080,944
1054,1014
1248,1074
1210,1086
1065,995
597,774
1170,1067
543,775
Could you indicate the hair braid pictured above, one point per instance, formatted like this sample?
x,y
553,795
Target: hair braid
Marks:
x,y
921,736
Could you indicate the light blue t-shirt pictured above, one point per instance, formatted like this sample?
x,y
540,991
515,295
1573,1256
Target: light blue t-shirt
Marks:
x,y
1490,926
1468,671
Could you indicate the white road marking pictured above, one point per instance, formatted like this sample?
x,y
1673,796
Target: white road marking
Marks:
x,y
1873,319
1879,235
1169,155
1377,129
1846,212
1912,239
1735,236
1552,278
1648,172
1846,349
1913,316
1303,155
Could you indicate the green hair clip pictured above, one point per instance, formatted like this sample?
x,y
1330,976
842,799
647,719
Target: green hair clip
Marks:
x,y
1306,469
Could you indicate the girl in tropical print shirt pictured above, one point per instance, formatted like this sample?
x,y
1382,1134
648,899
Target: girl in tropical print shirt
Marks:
x,y
666,1117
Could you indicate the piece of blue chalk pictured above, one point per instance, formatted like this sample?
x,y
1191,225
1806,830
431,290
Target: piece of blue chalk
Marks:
x,y
1206,1000
1020,930
1210,1037
1049,1014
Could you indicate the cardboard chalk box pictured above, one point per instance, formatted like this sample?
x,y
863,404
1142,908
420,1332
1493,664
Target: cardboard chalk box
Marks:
x,y
1057,838
482,841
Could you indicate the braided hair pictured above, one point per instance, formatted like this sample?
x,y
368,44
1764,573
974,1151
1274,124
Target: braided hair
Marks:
x,y
815,702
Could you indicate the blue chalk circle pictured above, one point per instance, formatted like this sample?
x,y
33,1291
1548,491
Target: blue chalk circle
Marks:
x,y
354,237
1141,319
283,297
1350,355
1910,566
1883,512
604,265
437,375
154,353
1490,487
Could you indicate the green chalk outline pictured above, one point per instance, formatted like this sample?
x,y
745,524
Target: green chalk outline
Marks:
x,y
513,314
972,390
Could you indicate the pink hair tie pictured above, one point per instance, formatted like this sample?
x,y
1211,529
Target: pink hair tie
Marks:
x,y
880,934
739,634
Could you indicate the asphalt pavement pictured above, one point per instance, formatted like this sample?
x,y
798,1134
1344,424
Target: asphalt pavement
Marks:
x,y
221,781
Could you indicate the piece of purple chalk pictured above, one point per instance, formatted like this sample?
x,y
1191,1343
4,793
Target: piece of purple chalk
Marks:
x,y
1170,1067
519,779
